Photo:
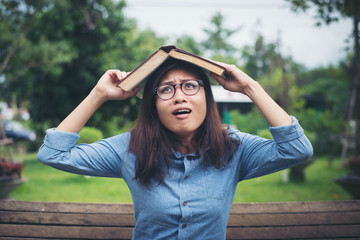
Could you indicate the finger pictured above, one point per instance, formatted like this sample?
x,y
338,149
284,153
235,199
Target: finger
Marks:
x,y
136,90
228,67
133,92
112,75
120,75
218,78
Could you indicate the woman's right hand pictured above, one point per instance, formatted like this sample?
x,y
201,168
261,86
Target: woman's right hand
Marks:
x,y
107,89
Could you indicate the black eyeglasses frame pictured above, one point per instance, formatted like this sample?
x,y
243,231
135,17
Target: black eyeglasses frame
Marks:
x,y
155,91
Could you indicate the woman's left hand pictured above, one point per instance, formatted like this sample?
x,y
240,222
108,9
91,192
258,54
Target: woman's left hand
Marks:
x,y
235,80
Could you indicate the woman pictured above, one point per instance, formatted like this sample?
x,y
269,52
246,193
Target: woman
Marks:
x,y
180,163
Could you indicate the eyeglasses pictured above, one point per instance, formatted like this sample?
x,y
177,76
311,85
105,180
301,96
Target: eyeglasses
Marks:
x,y
188,87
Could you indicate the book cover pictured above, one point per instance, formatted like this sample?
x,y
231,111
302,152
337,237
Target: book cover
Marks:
x,y
138,76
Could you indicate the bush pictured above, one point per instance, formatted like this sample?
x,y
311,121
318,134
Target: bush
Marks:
x,y
250,122
90,135
264,133
323,129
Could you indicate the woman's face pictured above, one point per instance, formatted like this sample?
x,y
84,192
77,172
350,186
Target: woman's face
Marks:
x,y
181,114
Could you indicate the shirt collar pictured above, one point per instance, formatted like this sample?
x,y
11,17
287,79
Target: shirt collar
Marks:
x,y
180,156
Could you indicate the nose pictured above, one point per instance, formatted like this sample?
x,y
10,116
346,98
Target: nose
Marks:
x,y
179,95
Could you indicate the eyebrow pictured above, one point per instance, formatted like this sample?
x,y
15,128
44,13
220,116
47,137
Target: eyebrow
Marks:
x,y
171,82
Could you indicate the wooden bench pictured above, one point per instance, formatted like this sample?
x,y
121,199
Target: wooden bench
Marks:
x,y
280,220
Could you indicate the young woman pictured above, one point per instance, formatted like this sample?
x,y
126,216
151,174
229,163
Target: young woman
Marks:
x,y
180,163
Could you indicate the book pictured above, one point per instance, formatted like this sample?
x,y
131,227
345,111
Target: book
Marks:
x,y
138,76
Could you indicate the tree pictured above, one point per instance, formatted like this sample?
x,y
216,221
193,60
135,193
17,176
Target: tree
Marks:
x,y
217,38
53,52
188,43
22,50
278,75
276,72
329,11
259,58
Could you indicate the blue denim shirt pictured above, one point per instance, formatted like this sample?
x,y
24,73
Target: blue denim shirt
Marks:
x,y
194,201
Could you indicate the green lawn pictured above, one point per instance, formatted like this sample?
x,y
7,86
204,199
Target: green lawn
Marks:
x,y
48,184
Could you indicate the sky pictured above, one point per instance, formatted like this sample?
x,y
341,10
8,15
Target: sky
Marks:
x,y
299,37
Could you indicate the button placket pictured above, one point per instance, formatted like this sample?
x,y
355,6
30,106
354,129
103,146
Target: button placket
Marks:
x,y
185,194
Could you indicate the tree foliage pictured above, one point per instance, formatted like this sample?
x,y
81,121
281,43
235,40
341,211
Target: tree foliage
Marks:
x,y
260,59
53,52
329,11
217,42
190,44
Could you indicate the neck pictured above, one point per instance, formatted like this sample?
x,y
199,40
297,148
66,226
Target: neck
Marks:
x,y
185,144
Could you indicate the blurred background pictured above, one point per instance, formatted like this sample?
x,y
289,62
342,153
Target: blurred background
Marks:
x,y
304,53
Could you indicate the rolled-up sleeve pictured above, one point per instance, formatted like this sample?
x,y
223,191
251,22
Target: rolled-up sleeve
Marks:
x,y
96,159
260,156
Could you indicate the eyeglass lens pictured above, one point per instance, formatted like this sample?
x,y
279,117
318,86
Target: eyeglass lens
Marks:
x,y
189,87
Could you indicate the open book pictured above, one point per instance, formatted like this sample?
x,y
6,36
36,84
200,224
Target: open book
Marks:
x,y
138,76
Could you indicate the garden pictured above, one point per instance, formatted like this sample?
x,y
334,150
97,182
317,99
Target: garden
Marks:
x,y
48,67
48,184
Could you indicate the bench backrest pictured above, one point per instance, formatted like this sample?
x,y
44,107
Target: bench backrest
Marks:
x,y
280,220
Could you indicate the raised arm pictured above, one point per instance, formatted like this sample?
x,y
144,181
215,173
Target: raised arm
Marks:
x,y
236,80
104,90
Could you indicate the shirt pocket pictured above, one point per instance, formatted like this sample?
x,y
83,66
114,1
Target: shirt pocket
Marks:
x,y
218,182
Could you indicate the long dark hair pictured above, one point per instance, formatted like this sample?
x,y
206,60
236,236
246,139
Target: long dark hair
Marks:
x,y
153,144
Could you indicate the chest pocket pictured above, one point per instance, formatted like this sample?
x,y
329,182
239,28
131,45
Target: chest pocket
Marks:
x,y
218,182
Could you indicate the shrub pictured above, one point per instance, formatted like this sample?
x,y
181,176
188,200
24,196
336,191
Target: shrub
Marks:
x,y
90,135
264,133
250,122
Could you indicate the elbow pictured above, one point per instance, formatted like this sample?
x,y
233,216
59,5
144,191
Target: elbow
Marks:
x,y
41,156
310,151
45,155
298,153
306,152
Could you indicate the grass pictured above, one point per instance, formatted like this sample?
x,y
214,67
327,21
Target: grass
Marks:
x,y
48,184
319,186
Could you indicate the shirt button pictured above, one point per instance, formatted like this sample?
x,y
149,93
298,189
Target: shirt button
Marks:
x,y
184,203
186,177
183,226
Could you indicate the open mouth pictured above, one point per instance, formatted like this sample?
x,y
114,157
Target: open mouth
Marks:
x,y
182,111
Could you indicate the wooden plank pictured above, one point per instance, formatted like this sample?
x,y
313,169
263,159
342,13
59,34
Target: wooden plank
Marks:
x,y
6,141
64,232
296,232
90,219
128,219
349,205
280,207
290,219
21,238
66,207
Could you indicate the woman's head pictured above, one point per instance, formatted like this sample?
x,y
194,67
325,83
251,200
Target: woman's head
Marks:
x,y
163,125
183,113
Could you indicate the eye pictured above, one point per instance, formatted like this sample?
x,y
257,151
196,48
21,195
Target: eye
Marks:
x,y
165,89
190,85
